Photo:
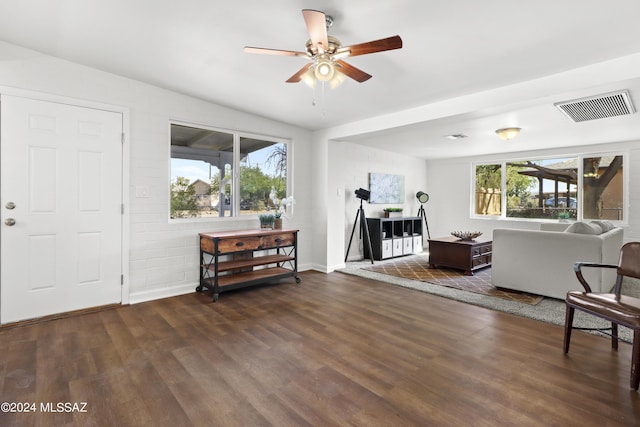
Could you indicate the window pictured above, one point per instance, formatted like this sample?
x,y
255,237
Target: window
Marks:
x,y
603,188
488,200
542,188
210,167
590,187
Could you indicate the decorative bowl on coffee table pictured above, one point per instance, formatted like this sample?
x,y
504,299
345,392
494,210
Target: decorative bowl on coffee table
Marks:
x,y
466,235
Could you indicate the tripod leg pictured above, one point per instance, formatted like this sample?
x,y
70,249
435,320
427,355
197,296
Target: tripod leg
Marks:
x,y
423,214
365,229
355,223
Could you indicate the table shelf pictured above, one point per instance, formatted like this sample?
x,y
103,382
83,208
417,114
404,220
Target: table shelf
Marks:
x,y
262,275
250,262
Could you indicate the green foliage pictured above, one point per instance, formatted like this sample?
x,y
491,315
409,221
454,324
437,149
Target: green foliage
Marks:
x,y
564,215
254,182
183,198
267,219
517,186
488,176
255,186
392,209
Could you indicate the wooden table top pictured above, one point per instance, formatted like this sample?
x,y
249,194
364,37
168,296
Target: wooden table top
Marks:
x,y
246,233
453,239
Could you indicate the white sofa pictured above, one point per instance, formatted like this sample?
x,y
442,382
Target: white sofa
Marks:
x,y
541,261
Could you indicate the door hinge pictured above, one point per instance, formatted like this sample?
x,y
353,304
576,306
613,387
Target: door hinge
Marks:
x,y
122,209
121,279
122,138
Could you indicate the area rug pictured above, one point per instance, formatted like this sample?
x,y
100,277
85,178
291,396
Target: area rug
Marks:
x,y
417,268
549,310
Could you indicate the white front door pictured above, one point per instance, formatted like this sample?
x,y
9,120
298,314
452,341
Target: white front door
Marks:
x,y
60,204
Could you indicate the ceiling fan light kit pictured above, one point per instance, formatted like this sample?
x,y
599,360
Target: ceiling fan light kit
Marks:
x,y
324,69
326,53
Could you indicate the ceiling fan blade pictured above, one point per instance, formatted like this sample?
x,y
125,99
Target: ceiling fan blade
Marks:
x,y
266,51
298,76
317,27
353,72
389,43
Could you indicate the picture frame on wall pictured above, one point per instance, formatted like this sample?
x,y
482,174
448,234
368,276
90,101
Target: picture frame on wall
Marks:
x,y
386,188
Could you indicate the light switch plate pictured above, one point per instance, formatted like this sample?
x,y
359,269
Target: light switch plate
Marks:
x,y
142,191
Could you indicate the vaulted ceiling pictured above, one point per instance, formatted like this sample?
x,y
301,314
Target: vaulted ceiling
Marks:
x,y
466,66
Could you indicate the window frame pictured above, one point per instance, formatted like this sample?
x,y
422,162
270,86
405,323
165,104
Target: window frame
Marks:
x,y
237,135
580,188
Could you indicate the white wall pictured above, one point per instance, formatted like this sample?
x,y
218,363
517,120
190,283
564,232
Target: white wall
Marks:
x,y
164,256
349,168
449,187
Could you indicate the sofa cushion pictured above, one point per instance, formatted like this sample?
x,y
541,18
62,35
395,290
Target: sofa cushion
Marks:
x,y
605,225
554,226
584,228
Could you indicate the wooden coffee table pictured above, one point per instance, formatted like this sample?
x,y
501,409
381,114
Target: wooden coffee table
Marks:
x,y
466,255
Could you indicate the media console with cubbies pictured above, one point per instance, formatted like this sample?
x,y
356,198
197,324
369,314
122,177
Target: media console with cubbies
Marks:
x,y
235,259
393,237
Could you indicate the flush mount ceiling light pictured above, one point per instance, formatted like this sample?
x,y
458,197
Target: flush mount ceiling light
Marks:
x,y
508,133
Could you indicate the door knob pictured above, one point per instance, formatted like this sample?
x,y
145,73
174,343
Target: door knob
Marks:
x,y
10,205
10,222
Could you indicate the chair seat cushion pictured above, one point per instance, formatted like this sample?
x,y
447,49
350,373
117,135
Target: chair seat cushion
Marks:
x,y
625,310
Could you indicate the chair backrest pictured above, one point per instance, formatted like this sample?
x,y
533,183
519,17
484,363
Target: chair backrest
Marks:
x,y
629,264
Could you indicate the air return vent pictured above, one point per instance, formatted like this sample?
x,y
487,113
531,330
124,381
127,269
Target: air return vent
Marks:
x,y
598,106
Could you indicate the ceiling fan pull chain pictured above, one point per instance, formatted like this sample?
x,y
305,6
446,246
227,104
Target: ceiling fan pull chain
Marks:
x,y
323,101
314,101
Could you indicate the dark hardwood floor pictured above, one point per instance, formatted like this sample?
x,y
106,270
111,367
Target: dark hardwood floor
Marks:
x,y
334,350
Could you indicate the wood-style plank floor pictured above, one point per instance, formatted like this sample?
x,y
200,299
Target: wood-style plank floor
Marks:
x,y
334,350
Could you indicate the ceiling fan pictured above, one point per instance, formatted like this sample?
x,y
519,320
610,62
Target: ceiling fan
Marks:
x,y
326,53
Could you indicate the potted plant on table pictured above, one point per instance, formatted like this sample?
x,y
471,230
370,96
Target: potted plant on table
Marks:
x,y
392,212
266,220
564,216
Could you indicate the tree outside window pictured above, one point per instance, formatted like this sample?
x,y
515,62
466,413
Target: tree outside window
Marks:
x,y
602,190
488,190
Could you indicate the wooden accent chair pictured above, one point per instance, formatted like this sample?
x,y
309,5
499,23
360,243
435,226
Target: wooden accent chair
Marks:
x,y
614,307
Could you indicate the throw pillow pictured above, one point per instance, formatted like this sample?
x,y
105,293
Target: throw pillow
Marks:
x,y
605,225
584,228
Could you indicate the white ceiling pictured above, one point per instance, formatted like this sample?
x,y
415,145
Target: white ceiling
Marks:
x,y
466,66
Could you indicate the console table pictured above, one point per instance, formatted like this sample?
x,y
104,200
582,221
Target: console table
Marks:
x,y
234,259
467,255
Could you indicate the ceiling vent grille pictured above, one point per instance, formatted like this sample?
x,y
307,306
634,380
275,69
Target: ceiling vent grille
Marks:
x,y
598,106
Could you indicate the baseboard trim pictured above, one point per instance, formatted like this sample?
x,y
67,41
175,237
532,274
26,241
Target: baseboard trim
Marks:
x,y
59,316
154,294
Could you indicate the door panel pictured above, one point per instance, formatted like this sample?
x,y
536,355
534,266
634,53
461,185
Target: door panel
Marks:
x,y
61,165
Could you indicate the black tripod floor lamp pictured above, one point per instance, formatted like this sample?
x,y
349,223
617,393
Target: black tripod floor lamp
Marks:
x,y
363,195
423,198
